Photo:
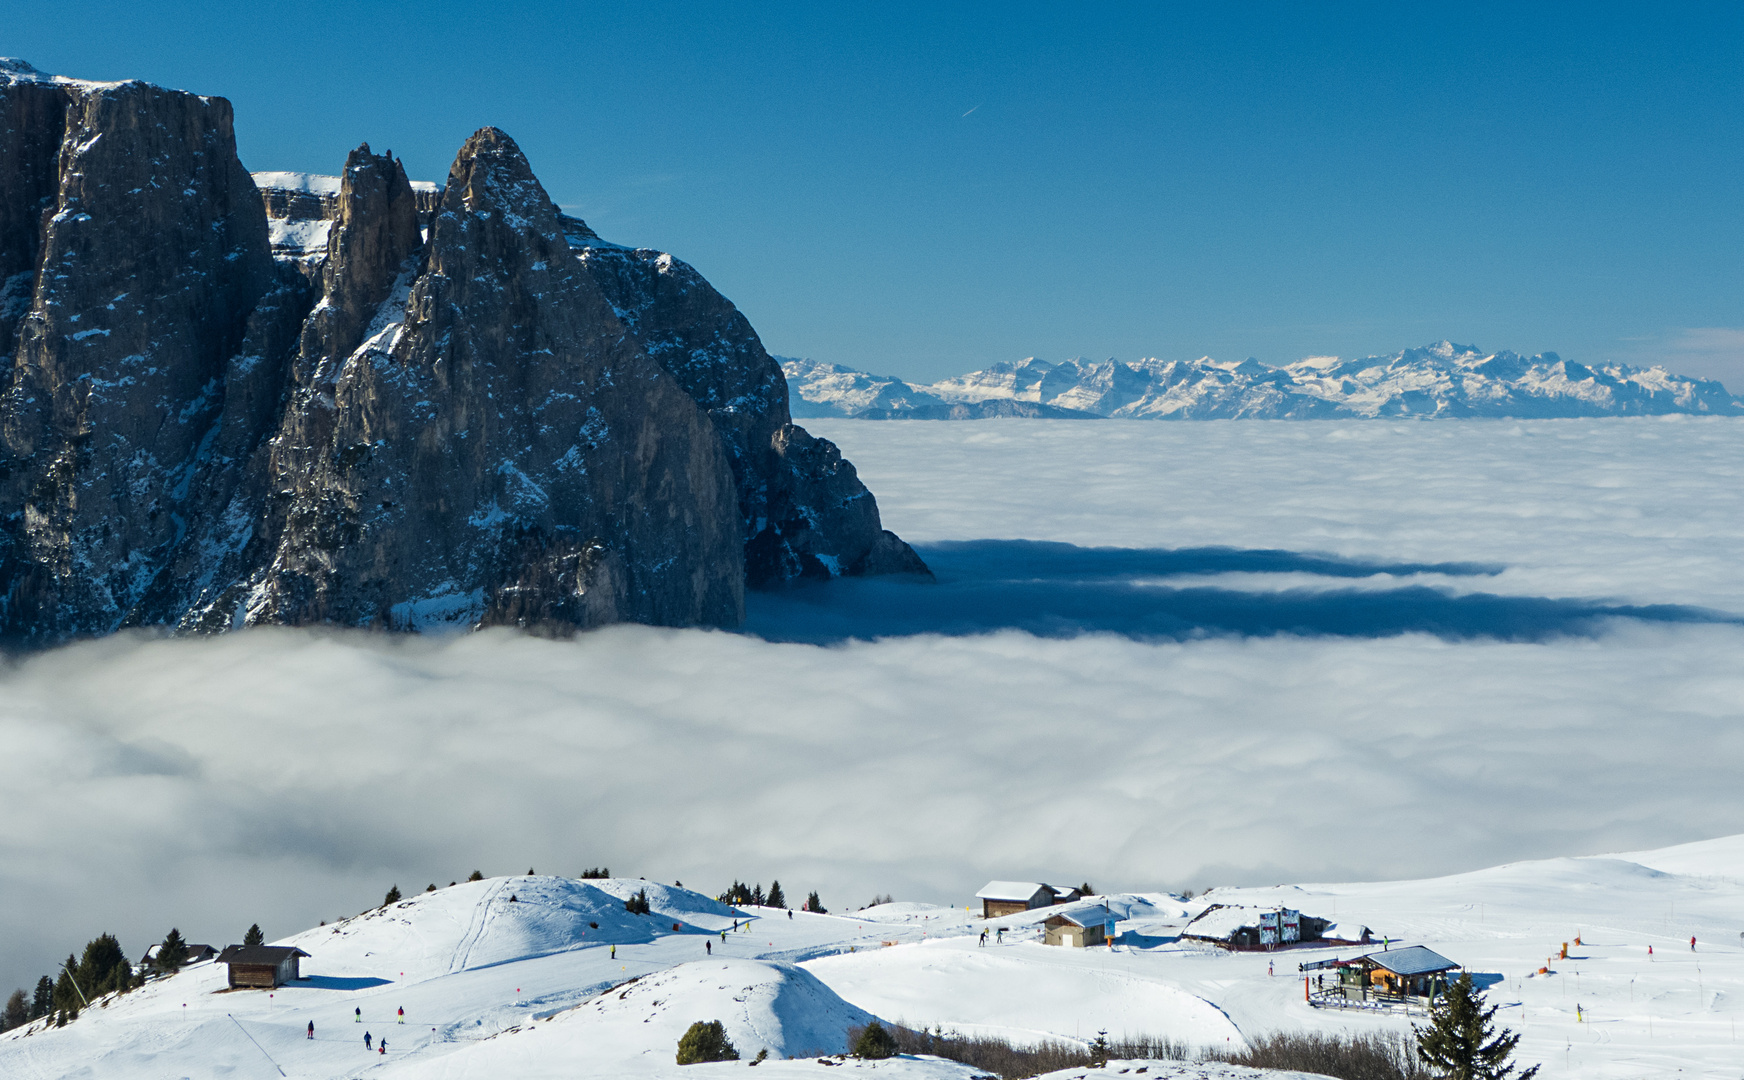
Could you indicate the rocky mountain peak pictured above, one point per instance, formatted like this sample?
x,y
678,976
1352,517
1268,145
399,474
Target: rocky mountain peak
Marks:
x,y
366,401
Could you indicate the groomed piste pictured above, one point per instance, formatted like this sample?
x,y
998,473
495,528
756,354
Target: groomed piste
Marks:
x,y
546,976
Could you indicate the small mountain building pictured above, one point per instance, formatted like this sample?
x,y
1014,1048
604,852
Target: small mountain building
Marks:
x,y
1077,929
1411,977
1253,929
261,967
1014,897
195,953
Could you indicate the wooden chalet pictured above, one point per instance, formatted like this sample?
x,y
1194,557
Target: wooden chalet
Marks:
x,y
1078,929
1014,897
261,967
1410,978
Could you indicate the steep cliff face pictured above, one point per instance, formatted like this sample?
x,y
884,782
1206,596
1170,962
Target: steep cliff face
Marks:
x,y
804,511
384,405
496,448
150,260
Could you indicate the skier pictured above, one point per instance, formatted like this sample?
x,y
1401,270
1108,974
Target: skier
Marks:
x,y
999,936
614,952
382,1047
311,1029
1269,970
402,1014
366,1041
1579,1014
1692,943
708,947
358,1012
789,914
983,939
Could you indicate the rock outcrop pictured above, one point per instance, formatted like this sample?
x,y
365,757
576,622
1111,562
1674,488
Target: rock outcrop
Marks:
x,y
805,511
386,405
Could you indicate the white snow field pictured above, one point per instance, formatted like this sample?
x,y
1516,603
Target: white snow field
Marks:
x,y
287,777
511,977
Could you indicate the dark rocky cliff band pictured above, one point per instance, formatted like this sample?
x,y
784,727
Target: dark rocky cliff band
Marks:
x,y
463,410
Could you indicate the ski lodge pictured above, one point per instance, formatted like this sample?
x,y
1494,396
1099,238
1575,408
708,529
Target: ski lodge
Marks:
x,y
261,967
1409,977
1251,929
1014,897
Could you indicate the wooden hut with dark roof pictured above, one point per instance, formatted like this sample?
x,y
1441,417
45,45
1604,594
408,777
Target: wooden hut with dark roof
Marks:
x,y
262,967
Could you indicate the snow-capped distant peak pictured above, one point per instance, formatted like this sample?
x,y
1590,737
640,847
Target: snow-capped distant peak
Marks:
x,y
1442,379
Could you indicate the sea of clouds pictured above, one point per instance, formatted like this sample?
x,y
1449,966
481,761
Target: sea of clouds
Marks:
x,y
1330,651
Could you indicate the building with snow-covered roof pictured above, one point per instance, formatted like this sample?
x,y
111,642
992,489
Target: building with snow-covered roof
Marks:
x,y
1012,897
1079,928
261,967
193,955
1248,929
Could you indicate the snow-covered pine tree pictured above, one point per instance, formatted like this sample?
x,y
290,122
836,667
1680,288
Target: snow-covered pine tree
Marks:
x,y
776,899
254,936
1458,1043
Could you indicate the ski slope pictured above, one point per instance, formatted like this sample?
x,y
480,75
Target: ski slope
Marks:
x,y
518,977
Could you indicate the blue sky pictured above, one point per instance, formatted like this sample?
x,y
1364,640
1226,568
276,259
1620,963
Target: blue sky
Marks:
x,y
923,190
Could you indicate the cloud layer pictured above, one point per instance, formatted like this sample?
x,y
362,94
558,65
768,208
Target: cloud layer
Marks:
x,y
286,776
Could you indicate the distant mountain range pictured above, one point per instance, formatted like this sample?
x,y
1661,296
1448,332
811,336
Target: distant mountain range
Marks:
x,y
1440,380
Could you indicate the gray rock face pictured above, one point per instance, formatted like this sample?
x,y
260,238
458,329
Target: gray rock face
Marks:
x,y
435,475
151,260
805,511
428,409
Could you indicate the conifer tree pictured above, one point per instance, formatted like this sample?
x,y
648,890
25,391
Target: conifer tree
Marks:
x,y
706,1042
393,895
68,994
757,894
254,936
172,954
776,899
874,1042
813,904
17,1012
43,1000
475,876
1458,1043
104,968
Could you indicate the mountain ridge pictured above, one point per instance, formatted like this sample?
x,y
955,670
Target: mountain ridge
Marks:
x,y
361,401
1439,380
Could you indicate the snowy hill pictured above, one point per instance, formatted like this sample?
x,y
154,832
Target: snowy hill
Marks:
x,y
537,977
1440,380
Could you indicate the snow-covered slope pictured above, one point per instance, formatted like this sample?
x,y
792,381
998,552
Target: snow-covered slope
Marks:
x,y
531,988
1437,380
